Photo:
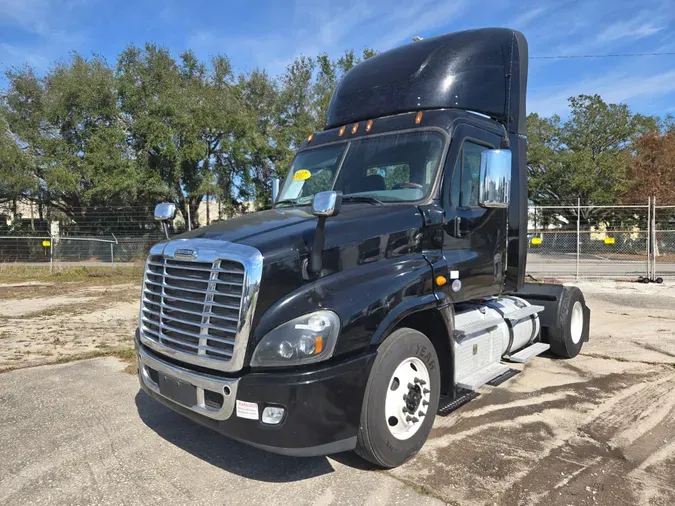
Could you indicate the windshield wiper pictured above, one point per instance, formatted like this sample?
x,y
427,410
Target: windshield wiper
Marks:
x,y
363,198
285,201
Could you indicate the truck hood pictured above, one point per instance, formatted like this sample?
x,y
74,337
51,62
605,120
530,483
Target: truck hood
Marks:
x,y
289,232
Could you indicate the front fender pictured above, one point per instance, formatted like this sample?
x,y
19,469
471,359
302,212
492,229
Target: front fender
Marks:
x,y
369,299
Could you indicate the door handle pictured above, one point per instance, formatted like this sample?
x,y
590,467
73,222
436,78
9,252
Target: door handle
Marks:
x,y
457,226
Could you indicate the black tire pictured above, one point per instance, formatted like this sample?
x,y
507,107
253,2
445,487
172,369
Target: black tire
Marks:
x,y
375,442
560,337
659,280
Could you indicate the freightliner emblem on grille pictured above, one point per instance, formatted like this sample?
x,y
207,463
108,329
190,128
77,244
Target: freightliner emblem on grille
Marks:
x,y
185,254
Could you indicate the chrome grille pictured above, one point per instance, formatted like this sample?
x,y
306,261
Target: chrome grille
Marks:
x,y
193,307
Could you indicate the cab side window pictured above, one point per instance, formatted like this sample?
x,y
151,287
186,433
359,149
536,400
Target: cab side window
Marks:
x,y
465,179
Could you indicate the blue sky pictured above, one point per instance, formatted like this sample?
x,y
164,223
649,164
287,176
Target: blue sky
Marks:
x,y
269,33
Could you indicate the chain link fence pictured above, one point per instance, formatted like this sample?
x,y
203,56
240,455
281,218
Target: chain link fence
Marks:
x,y
601,241
94,236
564,240
664,240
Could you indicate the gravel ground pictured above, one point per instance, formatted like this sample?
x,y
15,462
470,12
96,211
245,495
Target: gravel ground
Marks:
x,y
599,429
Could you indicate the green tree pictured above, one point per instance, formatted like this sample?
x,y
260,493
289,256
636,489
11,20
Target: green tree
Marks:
x,y
588,155
181,116
73,136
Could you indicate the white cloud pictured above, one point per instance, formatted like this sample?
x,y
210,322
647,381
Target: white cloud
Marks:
x,y
42,53
417,19
12,55
617,87
527,17
319,26
633,30
31,15
50,31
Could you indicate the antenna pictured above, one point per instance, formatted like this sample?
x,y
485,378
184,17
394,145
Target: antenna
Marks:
x,y
417,38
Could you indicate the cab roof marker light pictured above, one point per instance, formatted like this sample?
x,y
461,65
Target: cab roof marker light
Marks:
x,y
418,118
342,130
355,128
311,136
369,125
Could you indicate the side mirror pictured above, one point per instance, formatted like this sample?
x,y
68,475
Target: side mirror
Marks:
x,y
275,189
495,178
165,211
327,204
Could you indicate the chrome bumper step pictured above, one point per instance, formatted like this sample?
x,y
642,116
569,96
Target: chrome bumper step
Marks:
x,y
226,387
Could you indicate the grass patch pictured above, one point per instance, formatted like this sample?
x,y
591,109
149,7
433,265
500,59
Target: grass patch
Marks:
x,y
96,275
5,334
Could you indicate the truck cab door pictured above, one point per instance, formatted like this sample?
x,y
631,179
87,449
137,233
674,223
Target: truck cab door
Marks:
x,y
474,239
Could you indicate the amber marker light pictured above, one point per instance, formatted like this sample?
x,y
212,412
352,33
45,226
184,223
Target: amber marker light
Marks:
x,y
418,118
342,130
355,128
440,280
311,136
369,125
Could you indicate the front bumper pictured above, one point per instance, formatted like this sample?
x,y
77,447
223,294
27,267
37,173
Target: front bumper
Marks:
x,y
323,406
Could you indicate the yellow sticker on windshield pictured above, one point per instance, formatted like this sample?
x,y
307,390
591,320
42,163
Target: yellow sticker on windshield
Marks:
x,y
301,175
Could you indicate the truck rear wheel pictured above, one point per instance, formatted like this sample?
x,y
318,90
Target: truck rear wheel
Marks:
x,y
401,399
566,339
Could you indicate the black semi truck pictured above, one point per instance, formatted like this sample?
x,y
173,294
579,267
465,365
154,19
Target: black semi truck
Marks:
x,y
386,283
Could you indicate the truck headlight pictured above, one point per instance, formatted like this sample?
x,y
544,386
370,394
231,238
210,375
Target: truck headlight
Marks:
x,y
303,340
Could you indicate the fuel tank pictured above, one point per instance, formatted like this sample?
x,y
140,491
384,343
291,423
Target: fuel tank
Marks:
x,y
493,328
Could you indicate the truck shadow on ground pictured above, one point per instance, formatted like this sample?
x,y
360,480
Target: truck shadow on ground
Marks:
x,y
230,455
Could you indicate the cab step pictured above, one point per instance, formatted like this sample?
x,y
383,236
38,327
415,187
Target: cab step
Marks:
x,y
447,404
528,353
503,377
479,378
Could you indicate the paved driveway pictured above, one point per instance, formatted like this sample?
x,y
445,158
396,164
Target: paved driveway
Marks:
x,y
599,429
83,433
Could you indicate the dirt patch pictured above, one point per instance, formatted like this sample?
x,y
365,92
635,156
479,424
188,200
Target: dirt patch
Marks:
x,y
88,321
596,430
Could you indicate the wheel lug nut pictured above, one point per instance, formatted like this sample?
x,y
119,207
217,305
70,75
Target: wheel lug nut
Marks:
x,y
415,419
421,413
405,410
425,403
408,418
426,391
410,386
422,382
417,380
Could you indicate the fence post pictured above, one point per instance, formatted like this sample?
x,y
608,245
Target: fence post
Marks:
x,y
112,251
578,235
649,237
51,254
653,233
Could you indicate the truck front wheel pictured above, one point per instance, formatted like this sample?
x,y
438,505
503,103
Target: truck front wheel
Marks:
x,y
401,399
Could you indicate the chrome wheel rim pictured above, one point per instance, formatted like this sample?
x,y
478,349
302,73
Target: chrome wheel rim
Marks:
x,y
577,322
407,400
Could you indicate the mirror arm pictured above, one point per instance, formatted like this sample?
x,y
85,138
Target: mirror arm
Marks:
x,y
165,227
315,260
458,229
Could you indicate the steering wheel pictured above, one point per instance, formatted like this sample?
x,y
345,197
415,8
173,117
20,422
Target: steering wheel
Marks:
x,y
404,185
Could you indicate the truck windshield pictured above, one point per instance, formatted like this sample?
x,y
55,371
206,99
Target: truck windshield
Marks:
x,y
391,168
